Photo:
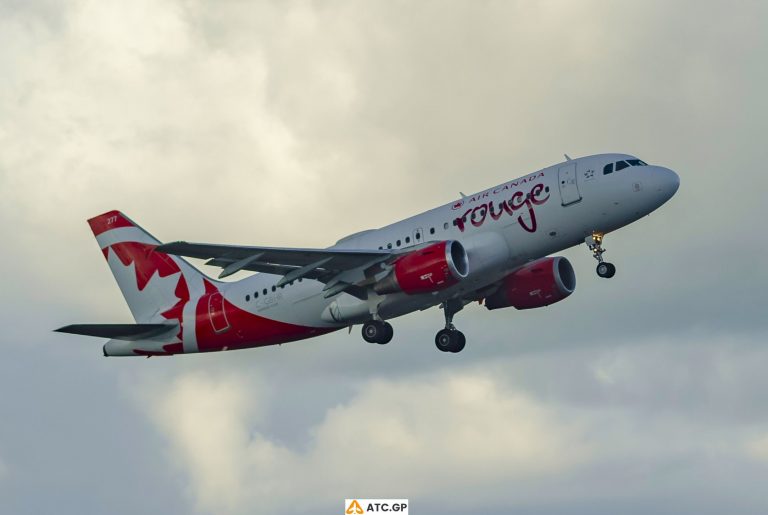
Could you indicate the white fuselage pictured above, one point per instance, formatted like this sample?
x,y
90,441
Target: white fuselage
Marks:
x,y
576,199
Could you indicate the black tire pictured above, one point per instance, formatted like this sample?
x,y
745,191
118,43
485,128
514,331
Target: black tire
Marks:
x,y
450,340
461,341
372,331
606,270
387,334
444,340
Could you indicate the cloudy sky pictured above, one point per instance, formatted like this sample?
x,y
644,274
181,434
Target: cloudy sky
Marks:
x,y
276,123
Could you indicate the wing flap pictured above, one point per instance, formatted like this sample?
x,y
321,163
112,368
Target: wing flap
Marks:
x,y
269,268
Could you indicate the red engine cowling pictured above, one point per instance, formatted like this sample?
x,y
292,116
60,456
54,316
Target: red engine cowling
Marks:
x,y
432,268
536,285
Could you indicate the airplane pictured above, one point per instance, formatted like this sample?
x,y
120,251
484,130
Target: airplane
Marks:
x,y
493,247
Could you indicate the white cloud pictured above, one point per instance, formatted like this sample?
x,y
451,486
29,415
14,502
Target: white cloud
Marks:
x,y
758,448
428,438
204,420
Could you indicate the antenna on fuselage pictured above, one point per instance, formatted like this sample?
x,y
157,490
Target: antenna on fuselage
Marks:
x,y
463,195
567,157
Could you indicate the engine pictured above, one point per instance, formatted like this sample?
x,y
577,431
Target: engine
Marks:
x,y
535,285
429,269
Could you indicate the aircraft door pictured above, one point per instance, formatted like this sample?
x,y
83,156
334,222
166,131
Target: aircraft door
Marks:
x,y
216,313
569,190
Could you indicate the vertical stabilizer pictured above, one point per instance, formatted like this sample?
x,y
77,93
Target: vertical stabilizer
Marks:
x,y
155,285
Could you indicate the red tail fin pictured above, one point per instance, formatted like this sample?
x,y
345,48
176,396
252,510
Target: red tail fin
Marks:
x,y
155,285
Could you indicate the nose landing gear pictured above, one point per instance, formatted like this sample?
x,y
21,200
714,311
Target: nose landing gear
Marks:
x,y
595,244
450,339
606,270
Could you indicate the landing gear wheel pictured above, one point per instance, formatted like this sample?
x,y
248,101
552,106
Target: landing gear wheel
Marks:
x,y
461,341
388,333
377,331
606,270
450,340
373,330
443,340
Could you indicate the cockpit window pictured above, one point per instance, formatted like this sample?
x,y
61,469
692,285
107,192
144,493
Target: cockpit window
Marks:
x,y
620,165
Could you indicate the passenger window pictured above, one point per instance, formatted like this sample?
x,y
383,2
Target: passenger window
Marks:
x,y
389,245
274,288
445,226
255,295
431,230
418,235
407,239
608,169
620,165
264,291
247,298
398,243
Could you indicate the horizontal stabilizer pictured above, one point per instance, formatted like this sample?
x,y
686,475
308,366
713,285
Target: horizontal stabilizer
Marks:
x,y
129,332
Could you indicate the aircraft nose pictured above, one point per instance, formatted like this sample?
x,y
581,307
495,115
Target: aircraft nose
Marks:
x,y
667,182
671,180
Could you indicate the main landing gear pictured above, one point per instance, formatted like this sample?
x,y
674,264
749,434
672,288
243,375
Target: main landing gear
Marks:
x,y
595,244
377,331
450,339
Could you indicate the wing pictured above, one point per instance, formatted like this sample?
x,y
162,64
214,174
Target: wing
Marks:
x,y
331,266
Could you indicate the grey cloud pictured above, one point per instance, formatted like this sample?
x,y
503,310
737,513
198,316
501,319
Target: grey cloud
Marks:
x,y
295,124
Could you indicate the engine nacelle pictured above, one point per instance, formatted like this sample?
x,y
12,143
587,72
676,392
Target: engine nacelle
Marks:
x,y
432,268
535,285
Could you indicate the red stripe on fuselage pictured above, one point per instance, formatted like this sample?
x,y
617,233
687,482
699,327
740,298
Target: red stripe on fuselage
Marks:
x,y
244,329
